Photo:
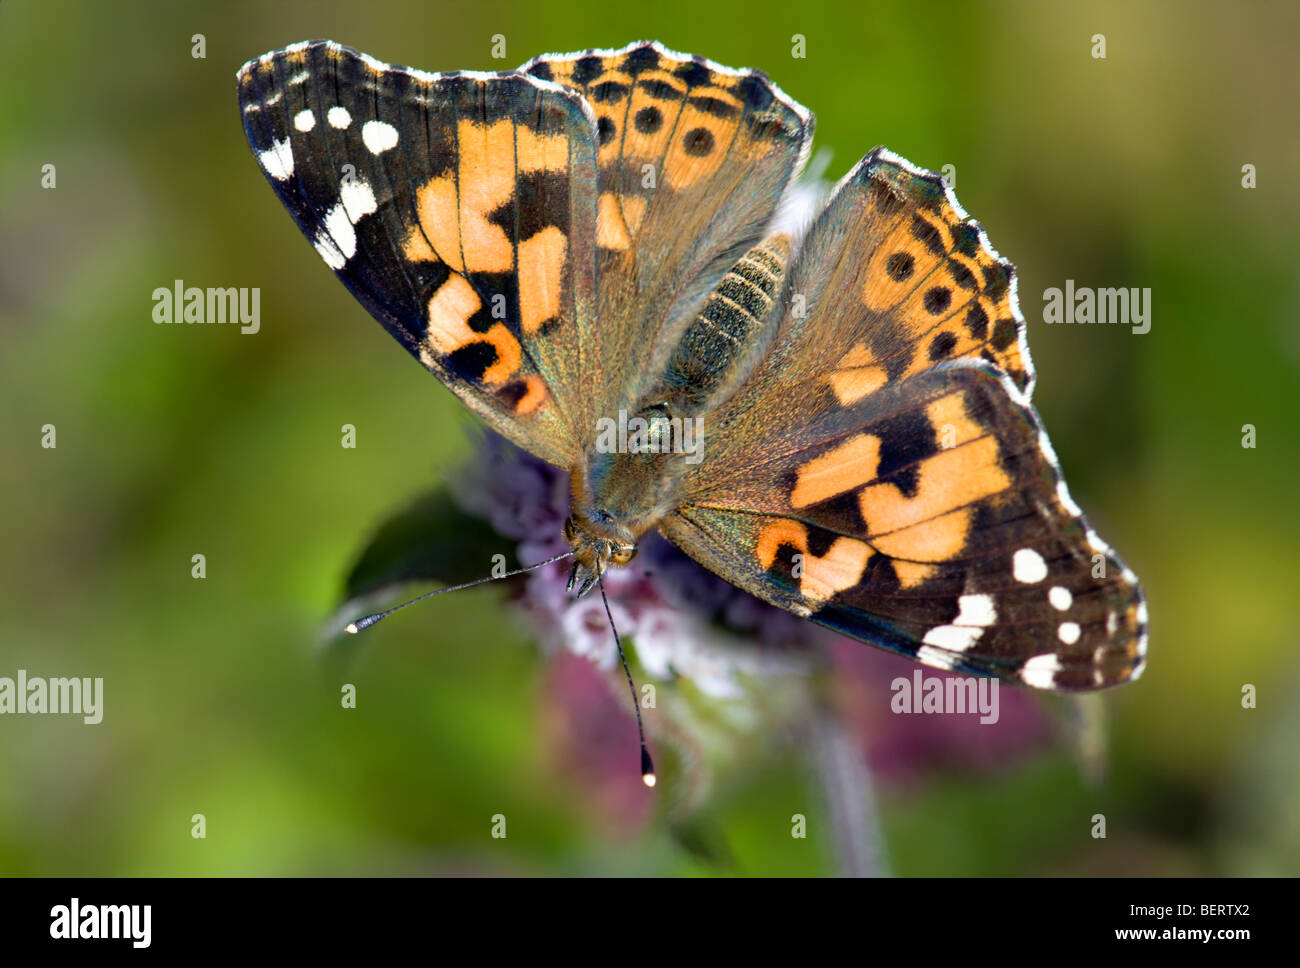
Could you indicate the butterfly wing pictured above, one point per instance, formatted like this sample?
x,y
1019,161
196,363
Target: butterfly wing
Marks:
x,y
900,495
459,209
693,159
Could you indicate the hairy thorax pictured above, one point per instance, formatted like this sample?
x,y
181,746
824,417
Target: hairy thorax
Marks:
x,y
628,481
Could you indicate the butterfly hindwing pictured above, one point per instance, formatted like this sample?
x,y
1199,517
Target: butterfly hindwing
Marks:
x,y
693,159
929,519
459,209
906,498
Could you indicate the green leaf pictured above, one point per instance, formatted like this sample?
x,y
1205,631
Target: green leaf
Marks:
x,y
430,540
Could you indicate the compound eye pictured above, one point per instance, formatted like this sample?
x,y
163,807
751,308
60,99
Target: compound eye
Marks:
x,y
622,554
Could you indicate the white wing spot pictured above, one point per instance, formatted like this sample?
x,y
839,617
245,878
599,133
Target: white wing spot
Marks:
x,y
358,200
329,251
1040,671
338,117
935,658
1068,632
277,160
975,613
954,638
340,230
304,120
976,610
1028,566
379,136
1060,598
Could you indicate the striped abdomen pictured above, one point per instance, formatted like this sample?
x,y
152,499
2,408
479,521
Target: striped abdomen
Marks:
x,y
722,344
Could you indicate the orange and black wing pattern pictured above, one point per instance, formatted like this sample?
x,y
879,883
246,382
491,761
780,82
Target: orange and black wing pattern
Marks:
x,y
883,471
693,160
458,208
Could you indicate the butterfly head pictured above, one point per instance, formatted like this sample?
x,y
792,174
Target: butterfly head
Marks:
x,y
597,542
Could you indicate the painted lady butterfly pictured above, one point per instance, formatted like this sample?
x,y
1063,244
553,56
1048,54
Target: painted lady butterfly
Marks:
x,y
589,236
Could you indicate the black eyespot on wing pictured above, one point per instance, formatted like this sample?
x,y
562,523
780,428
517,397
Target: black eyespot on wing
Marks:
x,y
937,300
942,345
900,266
649,119
698,142
587,69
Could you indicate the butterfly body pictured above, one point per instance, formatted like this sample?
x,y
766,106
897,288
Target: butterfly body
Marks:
x,y
839,422
620,494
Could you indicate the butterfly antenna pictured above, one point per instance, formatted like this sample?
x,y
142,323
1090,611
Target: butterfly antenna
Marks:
x,y
647,764
365,623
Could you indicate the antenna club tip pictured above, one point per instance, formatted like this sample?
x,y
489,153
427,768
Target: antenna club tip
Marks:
x,y
647,768
351,628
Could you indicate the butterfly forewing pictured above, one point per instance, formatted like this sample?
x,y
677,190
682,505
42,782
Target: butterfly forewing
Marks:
x,y
459,209
693,159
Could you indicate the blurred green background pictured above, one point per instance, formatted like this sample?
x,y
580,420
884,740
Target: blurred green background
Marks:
x,y
176,440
